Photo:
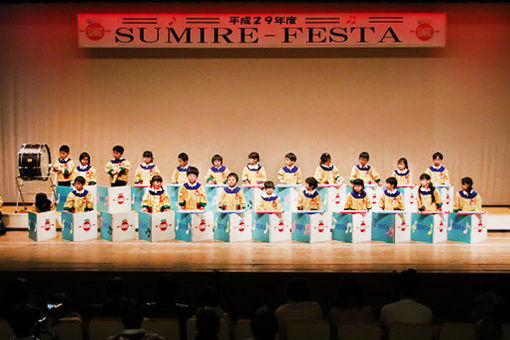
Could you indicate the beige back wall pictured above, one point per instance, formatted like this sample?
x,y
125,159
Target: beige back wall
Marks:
x,y
391,102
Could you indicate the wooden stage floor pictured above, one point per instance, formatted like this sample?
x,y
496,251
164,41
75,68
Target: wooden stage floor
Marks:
x,y
19,253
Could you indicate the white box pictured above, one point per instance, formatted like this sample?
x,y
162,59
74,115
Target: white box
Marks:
x,y
114,199
117,227
156,226
80,226
42,225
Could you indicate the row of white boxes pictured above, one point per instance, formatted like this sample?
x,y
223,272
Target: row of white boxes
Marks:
x,y
119,222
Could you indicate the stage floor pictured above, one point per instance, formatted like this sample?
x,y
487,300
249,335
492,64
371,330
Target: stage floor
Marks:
x,y
19,253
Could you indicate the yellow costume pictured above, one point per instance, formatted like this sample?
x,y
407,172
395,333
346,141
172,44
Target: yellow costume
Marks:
x,y
269,203
424,199
122,165
367,173
145,172
391,200
179,175
467,201
438,175
309,200
232,199
88,172
403,177
79,201
64,169
327,174
156,200
358,201
217,175
192,196
292,175
254,174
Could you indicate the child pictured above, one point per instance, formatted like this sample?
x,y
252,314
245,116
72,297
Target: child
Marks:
x,y
85,170
64,167
42,203
402,172
437,172
156,198
309,199
232,196
358,199
118,168
392,198
428,198
326,172
254,172
290,173
467,199
269,201
147,169
180,173
192,194
218,173
80,199
364,171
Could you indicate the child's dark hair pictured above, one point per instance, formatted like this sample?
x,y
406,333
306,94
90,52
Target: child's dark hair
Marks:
x,y
216,158
392,181
431,186
42,203
254,155
403,160
192,171
437,155
80,180
292,156
312,182
364,155
268,184
325,157
84,155
156,178
358,181
233,174
469,182
148,154
64,148
119,149
183,156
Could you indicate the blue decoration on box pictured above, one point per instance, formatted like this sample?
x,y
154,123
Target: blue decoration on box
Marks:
x,y
261,230
62,193
222,226
183,226
136,197
213,193
67,222
32,223
173,193
144,226
459,228
383,227
102,198
301,228
422,227
342,227
106,226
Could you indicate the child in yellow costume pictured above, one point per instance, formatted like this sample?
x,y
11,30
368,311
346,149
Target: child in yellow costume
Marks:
x,y
64,167
392,198
326,172
358,198
428,198
179,175
364,171
80,199
232,196
156,199
467,199
437,172
402,172
218,173
309,198
147,169
269,201
85,170
290,173
118,168
254,172
192,195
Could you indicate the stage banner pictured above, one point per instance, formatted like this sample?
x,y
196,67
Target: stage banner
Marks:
x,y
262,30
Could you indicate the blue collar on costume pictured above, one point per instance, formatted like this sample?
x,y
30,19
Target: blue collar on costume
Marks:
x,y
440,169
80,194
232,191
82,168
117,161
190,186
220,169
426,192
156,192
469,196
313,194
327,168
269,198
290,170
64,161
256,167
403,173
363,168
395,194
361,194
182,169
146,166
